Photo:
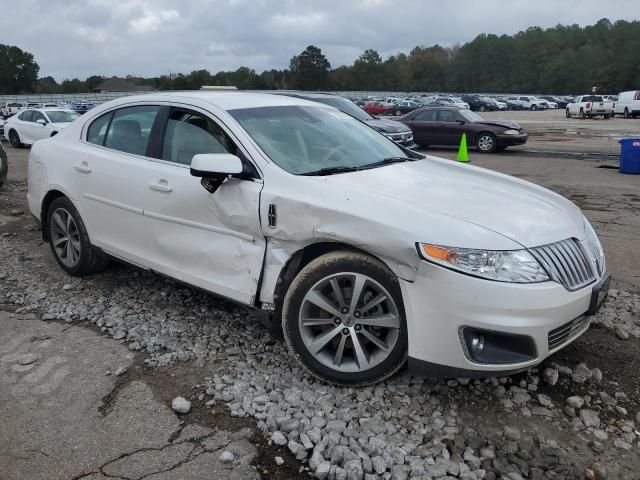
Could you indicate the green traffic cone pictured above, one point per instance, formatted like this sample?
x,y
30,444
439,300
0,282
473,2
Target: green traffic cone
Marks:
x,y
463,153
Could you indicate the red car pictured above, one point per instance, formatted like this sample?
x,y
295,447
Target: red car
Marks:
x,y
376,108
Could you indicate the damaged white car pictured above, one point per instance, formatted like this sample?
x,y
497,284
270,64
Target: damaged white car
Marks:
x,y
365,253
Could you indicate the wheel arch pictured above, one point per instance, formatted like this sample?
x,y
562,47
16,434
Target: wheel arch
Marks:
x,y
295,263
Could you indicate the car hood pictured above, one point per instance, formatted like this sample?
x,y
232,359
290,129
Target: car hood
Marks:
x,y
521,211
511,125
387,126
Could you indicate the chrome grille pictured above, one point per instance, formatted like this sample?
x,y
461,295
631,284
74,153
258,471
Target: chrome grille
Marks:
x,y
566,262
595,249
559,335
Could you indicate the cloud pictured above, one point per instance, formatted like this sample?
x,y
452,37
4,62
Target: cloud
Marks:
x,y
150,22
150,37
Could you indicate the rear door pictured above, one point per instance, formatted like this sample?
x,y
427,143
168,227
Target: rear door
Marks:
x,y
24,126
424,127
111,178
212,240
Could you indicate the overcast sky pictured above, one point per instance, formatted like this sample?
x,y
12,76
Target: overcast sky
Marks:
x,y
78,38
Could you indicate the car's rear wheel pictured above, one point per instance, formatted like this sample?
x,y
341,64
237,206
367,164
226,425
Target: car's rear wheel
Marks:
x,y
482,109
344,321
69,240
582,114
567,113
486,142
14,139
626,113
398,113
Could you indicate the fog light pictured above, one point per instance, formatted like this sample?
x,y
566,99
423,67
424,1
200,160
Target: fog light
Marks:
x,y
477,343
493,348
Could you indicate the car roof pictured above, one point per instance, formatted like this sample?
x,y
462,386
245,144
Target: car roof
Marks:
x,y
440,107
227,100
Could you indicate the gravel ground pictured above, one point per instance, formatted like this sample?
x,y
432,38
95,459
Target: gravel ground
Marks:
x,y
563,420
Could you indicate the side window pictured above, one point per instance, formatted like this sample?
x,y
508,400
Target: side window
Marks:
x,y
26,116
190,133
447,116
38,116
98,129
130,129
426,116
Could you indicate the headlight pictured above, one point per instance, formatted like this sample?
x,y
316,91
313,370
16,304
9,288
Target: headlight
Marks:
x,y
516,266
511,132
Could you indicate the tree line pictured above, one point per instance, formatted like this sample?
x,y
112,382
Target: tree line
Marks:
x,y
566,59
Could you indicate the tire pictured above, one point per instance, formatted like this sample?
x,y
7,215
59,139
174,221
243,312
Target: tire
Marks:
x,y
486,142
534,107
398,113
582,115
14,139
75,255
482,109
567,113
626,113
606,116
337,335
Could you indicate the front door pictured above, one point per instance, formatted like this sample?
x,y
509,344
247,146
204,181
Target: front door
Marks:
x,y
212,240
451,126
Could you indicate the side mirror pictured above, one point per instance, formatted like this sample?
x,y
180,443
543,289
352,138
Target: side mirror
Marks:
x,y
215,168
42,122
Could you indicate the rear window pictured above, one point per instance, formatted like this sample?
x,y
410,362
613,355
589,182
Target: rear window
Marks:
x,y
592,98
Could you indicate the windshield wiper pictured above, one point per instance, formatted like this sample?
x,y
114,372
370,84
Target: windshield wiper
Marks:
x,y
387,161
344,169
331,171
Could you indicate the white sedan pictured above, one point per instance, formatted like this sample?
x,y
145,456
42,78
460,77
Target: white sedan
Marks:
x,y
29,126
361,253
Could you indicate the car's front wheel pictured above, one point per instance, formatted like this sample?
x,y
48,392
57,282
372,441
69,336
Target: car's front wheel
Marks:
x,y
567,113
14,139
486,142
344,321
70,242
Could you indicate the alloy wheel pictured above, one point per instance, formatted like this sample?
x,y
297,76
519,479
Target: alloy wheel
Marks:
x,y
486,143
14,140
349,322
65,237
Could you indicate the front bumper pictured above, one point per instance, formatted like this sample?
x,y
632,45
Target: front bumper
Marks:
x,y
510,140
440,303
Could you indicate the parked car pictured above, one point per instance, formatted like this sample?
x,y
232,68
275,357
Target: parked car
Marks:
x,y
478,103
81,107
559,102
628,104
514,104
405,107
533,103
501,105
451,102
552,104
377,108
589,106
4,165
2,122
445,126
396,131
363,252
29,126
14,107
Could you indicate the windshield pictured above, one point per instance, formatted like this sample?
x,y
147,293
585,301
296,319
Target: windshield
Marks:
x,y
61,116
471,116
347,106
303,139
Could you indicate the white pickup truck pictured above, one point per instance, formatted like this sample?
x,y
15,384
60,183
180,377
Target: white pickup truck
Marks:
x,y
589,106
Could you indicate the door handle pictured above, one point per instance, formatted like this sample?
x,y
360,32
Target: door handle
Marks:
x,y
161,186
82,168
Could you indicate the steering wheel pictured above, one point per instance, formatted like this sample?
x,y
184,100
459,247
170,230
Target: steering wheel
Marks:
x,y
331,153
